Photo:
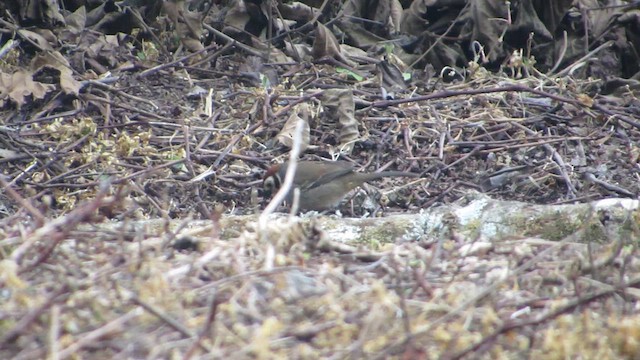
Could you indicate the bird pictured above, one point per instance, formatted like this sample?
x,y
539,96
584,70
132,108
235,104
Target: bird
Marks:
x,y
322,184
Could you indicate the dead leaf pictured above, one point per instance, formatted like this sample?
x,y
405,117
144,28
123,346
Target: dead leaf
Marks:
x,y
285,137
391,77
297,11
385,20
55,60
77,20
299,52
483,21
188,24
326,45
19,85
37,39
585,100
340,105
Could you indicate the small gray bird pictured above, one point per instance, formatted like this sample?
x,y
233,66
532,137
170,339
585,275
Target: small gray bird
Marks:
x,y
322,184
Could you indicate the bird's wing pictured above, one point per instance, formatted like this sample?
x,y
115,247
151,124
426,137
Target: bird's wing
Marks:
x,y
331,174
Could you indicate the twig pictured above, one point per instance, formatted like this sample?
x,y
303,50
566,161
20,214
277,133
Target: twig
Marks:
x,y
112,326
175,62
55,231
40,219
611,187
483,293
206,329
551,314
286,185
448,93
228,39
586,57
571,190
30,317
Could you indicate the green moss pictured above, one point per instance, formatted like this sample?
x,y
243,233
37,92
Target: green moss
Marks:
x,y
552,226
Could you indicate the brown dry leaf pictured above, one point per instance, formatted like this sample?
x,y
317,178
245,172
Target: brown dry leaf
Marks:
x,y
246,18
385,16
326,45
76,21
585,100
413,22
43,11
237,16
528,21
340,105
299,52
483,21
55,60
37,39
297,11
285,137
188,24
391,77
19,85
51,10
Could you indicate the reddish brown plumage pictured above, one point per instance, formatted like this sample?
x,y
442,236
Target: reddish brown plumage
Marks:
x,y
271,171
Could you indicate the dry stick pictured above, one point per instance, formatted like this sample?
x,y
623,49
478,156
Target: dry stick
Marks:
x,y
58,153
174,324
207,59
136,14
447,94
306,333
287,29
202,208
508,88
233,142
33,315
22,201
237,277
37,117
546,316
54,333
120,180
211,317
103,85
288,179
471,153
175,62
516,143
486,291
281,194
302,99
231,40
310,24
623,118
558,159
533,144
563,51
56,230
207,135
589,55
133,109
70,172
93,336
610,187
